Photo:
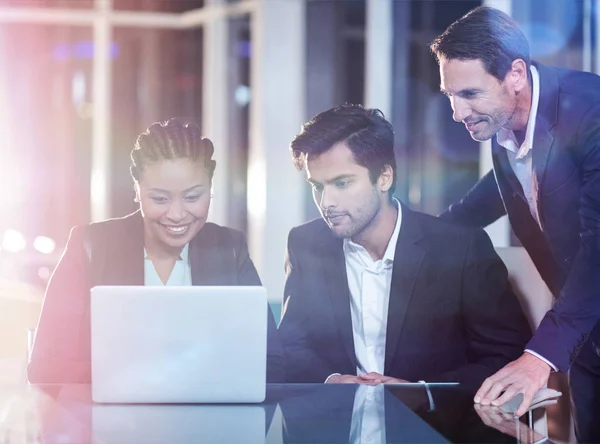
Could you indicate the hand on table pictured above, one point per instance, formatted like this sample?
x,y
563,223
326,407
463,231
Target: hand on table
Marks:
x,y
376,378
526,375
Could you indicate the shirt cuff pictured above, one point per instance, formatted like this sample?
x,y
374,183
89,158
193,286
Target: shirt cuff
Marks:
x,y
333,374
531,352
431,403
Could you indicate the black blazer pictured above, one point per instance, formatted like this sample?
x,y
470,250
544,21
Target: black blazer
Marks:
x,y
566,167
111,253
452,314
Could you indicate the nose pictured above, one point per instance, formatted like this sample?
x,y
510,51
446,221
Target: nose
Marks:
x,y
327,200
460,109
176,211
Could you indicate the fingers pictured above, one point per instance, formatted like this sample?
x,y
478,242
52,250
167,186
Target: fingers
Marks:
x,y
508,394
484,389
371,378
494,392
371,382
527,398
493,384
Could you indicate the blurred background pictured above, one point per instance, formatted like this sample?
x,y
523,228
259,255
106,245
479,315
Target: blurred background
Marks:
x,y
81,78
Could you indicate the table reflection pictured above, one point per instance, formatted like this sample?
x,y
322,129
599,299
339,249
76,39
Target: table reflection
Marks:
x,y
292,413
453,414
352,414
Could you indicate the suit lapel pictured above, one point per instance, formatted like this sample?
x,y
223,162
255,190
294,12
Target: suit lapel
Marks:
x,y
502,164
125,264
408,259
333,264
545,121
543,137
207,260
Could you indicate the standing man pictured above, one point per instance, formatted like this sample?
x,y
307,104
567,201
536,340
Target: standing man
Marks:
x,y
377,293
544,123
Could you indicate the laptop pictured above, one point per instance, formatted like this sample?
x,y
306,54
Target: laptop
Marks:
x,y
178,344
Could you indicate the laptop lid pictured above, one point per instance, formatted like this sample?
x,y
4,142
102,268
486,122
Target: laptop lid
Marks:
x,y
178,344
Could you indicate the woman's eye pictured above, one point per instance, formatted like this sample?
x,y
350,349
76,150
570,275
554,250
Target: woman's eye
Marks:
x,y
193,198
159,199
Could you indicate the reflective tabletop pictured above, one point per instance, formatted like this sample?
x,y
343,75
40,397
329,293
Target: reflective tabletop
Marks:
x,y
291,413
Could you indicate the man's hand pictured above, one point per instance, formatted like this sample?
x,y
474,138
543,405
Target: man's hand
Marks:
x,y
343,379
526,375
376,378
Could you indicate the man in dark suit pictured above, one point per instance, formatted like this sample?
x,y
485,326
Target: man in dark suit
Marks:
x,y
546,177
377,293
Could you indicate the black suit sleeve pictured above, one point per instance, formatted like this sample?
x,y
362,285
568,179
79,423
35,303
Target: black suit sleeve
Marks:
x,y
60,353
302,364
480,207
247,275
494,322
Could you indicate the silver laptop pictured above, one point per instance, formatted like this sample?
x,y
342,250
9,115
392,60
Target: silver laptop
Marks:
x,y
178,344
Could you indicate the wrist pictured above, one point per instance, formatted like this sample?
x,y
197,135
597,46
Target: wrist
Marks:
x,y
333,378
541,363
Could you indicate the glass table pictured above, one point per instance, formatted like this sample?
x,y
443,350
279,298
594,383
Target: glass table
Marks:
x,y
291,413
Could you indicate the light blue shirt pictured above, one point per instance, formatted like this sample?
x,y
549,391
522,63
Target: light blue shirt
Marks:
x,y
181,275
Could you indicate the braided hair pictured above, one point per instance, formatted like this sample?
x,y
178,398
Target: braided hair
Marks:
x,y
171,139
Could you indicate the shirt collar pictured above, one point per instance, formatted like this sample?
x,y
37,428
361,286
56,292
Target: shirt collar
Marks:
x,y
390,251
506,138
182,257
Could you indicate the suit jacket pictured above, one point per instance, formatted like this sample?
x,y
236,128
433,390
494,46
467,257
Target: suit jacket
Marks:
x,y
111,253
566,170
452,314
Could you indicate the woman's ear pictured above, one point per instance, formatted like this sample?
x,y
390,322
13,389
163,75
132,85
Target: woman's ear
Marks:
x,y
136,190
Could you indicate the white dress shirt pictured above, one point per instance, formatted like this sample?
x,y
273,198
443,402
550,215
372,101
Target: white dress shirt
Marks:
x,y
369,283
181,275
520,158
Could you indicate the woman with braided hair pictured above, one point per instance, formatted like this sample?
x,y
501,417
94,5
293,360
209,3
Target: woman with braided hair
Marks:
x,y
168,241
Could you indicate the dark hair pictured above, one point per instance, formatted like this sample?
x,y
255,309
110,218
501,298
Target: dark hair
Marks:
x,y
171,139
366,132
486,34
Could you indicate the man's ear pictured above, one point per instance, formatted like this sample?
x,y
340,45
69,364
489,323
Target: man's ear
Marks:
x,y
518,75
386,178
